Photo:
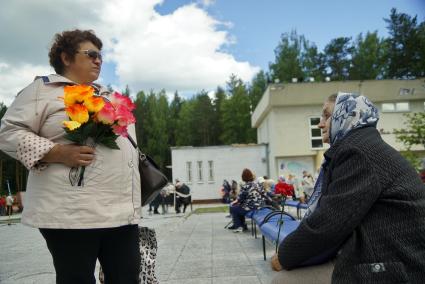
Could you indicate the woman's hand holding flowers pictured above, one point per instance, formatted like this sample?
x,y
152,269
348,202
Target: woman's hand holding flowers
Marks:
x,y
70,155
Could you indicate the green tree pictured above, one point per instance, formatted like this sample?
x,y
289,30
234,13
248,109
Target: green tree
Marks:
x,y
313,62
257,88
287,63
412,134
140,113
126,92
368,57
185,124
236,118
175,108
204,119
156,128
338,59
406,46
219,99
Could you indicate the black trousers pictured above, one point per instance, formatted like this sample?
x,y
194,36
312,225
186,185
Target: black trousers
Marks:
x,y
75,251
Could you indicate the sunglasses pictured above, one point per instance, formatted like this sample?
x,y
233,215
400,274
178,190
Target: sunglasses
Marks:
x,y
93,54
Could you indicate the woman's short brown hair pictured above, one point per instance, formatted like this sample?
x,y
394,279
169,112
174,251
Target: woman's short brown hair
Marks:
x,y
247,175
68,42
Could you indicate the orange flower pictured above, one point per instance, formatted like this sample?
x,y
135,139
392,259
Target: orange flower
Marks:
x,y
77,113
71,125
94,103
77,94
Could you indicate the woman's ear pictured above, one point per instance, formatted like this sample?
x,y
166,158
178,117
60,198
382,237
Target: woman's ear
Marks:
x,y
65,59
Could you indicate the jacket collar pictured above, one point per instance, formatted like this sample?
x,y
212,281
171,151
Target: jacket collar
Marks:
x,y
59,79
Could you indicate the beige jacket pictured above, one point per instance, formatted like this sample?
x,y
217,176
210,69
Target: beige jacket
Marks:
x,y
110,196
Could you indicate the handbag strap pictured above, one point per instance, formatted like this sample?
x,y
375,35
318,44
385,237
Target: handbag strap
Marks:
x,y
142,156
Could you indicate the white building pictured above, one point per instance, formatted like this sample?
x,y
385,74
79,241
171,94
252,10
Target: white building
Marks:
x,y
205,168
287,115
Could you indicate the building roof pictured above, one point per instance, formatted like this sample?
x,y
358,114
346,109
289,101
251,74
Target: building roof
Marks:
x,y
315,93
217,146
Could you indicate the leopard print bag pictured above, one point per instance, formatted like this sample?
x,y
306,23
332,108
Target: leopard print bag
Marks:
x,y
148,249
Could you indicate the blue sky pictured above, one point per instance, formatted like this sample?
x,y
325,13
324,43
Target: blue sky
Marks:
x,y
258,25
186,46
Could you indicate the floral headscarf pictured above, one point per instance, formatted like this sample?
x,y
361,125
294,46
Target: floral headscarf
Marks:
x,y
351,111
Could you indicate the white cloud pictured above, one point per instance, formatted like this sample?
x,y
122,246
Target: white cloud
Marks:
x,y
13,79
177,51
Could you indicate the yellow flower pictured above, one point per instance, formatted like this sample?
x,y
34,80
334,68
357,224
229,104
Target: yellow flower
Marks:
x,y
78,113
94,104
77,94
71,125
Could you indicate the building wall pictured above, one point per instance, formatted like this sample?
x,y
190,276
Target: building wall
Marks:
x,y
228,161
282,117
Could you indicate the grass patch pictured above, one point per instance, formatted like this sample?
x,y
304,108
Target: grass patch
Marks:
x,y
220,209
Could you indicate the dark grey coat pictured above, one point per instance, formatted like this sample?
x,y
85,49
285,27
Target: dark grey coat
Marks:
x,y
372,210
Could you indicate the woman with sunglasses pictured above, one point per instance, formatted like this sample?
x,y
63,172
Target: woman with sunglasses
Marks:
x,y
79,223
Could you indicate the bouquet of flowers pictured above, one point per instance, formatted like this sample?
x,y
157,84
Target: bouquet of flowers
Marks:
x,y
95,120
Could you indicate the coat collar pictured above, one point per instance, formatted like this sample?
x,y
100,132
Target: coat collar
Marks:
x,y
59,79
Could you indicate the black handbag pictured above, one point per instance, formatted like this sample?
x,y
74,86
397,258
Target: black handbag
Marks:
x,y
152,180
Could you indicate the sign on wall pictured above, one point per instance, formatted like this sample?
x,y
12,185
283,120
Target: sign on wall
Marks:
x,y
295,165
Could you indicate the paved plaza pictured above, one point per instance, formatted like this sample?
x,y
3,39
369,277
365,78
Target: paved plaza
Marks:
x,y
192,248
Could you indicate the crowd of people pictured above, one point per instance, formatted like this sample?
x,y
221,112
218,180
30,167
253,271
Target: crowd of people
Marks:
x,y
177,194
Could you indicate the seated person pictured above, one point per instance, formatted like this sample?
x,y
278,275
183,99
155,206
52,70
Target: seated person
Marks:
x,y
366,215
249,198
234,192
182,200
307,184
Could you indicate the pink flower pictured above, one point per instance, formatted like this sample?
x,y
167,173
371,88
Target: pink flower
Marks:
x,y
120,130
107,114
124,115
118,99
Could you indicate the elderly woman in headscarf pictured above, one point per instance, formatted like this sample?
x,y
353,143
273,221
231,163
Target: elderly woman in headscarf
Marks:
x,y
368,207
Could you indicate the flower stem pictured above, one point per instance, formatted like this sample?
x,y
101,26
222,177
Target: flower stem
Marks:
x,y
80,180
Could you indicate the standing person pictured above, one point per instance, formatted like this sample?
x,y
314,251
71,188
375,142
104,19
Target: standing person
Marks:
x,y
79,223
370,217
2,205
9,204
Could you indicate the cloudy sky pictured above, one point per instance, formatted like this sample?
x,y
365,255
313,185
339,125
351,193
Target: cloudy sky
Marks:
x,y
184,45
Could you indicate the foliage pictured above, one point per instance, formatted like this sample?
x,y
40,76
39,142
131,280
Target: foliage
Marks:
x,y
287,63
406,46
338,59
412,134
368,57
257,88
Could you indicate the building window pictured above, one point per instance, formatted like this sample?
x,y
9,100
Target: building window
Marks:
x,y
396,107
315,133
189,171
200,178
210,170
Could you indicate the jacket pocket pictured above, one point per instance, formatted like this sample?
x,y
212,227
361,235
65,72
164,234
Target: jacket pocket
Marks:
x,y
383,272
